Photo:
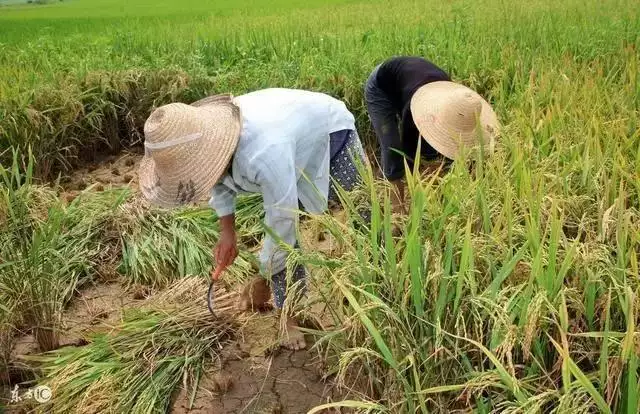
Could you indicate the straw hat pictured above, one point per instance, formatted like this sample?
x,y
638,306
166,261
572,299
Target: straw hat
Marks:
x,y
445,114
188,149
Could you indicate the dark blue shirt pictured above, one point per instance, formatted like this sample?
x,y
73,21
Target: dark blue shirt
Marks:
x,y
399,78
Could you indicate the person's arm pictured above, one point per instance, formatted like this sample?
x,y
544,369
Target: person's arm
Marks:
x,y
226,250
384,117
223,201
276,175
393,166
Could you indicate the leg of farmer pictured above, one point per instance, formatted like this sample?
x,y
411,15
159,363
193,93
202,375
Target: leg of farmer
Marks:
x,y
344,170
384,119
287,291
254,296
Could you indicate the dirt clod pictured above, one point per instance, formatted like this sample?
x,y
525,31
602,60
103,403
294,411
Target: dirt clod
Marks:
x,y
222,382
70,196
79,185
100,315
141,292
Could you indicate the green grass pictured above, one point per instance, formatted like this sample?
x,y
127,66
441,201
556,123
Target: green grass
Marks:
x,y
515,285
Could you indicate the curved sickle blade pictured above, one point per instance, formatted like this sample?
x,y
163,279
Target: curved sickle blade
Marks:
x,y
210,298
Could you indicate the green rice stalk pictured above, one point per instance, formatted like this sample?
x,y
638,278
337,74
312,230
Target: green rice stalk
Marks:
x,y
160,246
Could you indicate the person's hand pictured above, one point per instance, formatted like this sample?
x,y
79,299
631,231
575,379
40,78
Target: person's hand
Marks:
x,y
225,252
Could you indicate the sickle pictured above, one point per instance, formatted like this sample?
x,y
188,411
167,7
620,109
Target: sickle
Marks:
x,y
209,299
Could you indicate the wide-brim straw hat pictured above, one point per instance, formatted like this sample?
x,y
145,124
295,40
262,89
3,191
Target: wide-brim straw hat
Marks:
x,y
187,149
448,114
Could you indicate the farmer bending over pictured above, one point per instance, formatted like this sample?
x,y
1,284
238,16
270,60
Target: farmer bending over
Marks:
x,y
282,143
409,97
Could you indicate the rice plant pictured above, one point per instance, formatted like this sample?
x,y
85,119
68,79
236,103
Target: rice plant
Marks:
x,y
475,306
47,251
7,333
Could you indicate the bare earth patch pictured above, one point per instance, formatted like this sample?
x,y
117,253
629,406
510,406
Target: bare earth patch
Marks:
x,y
258,377
96,307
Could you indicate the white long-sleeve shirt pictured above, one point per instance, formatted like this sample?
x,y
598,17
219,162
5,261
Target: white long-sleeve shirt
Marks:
x,y
283,153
